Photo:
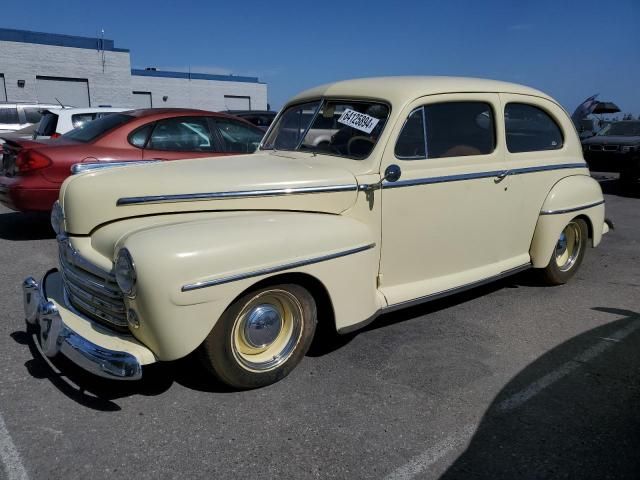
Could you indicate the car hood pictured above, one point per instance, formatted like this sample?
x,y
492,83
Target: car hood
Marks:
x,y
612,140
261,181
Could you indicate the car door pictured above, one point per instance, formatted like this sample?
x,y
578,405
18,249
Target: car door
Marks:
x,y
181,137
443,221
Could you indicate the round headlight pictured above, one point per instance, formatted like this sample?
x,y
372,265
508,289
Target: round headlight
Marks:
x,y
126,273
57,218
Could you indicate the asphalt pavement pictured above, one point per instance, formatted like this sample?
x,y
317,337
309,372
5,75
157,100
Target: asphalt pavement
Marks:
x,y
510,380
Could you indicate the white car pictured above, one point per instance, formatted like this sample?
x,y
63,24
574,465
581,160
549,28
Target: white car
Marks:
x,y
16,116
56,122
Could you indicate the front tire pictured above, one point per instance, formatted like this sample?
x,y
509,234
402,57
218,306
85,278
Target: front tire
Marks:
x,y
568,253
261,337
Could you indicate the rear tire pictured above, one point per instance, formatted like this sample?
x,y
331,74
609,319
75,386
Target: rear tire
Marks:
x,y
261,337
567,254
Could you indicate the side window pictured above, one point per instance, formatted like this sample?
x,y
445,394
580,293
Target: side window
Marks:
x,y
411,142
238,137
9,115
80,119
530,129
33,115
139,137
182,134
452,129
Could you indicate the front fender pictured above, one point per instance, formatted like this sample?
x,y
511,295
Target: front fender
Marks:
x,y
188,273
571,197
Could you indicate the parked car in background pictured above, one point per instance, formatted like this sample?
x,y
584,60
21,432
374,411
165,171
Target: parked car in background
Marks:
x,y
425,190
616,148
32,171
16,116
260,118
23,133
56,122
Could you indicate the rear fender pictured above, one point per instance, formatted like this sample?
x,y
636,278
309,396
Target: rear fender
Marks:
x,y
574,196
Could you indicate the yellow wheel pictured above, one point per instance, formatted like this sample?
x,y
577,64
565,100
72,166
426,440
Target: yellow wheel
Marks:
x,y
568,253
267,330
262,336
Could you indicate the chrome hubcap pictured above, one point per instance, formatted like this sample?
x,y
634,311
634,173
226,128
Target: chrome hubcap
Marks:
x,y
568,247
267,330
262,326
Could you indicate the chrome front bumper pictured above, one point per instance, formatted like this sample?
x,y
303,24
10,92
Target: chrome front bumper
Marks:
x,y
55,336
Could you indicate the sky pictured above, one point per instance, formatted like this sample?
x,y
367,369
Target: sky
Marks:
x,y
566,48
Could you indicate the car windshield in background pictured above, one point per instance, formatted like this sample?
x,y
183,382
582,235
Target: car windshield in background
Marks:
x,y
335,127
625,129
92,130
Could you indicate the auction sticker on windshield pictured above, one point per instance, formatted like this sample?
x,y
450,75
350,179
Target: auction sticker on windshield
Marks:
x,y
357,120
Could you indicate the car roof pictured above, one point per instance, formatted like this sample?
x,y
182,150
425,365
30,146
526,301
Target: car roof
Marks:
x,y
28,104
250,112
76,110
402,89
178,112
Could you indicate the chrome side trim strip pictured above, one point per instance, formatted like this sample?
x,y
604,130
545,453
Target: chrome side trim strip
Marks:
x,y
280,268
473,176
192,197
443,179
568,210
433,296
78,168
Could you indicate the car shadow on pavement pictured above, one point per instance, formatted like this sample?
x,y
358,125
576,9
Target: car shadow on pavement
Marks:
x,y
328,341
16,226
99,393
573,413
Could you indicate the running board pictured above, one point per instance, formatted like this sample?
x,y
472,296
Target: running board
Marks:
x,y
433,296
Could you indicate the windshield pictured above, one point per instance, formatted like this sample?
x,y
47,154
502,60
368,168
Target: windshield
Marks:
x,y
336,127
93,129
626,129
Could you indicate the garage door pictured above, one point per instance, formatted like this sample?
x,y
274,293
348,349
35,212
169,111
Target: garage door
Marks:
x,y
69,91
142,100
234,102
3,90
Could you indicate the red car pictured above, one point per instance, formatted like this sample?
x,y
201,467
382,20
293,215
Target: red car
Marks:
x,y
33,171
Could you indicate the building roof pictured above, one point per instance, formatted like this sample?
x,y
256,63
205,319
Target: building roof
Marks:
x,y
403,89
192,76
59,40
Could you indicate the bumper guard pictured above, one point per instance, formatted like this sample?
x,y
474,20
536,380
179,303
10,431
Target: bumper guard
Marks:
x,y
56,337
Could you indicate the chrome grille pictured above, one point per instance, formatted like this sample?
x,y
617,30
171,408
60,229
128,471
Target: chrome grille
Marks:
x,y
610,148
91,290
595,147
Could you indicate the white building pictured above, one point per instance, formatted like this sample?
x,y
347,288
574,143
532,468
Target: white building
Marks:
x,y
84,71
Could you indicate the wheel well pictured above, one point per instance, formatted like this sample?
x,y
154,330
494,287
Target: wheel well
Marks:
x,y
587,220
326,315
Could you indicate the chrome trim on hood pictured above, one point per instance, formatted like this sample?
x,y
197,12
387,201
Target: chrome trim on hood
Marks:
x,y
194,197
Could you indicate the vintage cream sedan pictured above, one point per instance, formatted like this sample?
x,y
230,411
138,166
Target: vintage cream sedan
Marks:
x,y
431,185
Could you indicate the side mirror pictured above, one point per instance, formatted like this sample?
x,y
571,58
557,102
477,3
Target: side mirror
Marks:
x,y
392,173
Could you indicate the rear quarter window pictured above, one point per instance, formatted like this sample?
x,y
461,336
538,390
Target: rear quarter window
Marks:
x,y
531,129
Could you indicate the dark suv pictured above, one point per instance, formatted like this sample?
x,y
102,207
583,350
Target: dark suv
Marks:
x,y
616,148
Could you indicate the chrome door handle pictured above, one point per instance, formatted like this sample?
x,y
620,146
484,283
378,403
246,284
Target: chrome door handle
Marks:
x,y
502,175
